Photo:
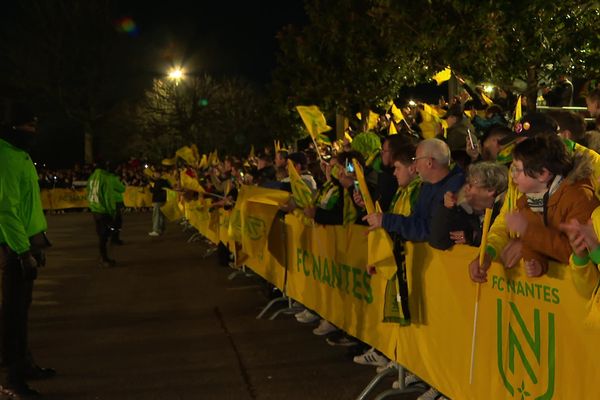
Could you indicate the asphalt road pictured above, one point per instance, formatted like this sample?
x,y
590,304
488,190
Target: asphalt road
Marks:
x,y
166,323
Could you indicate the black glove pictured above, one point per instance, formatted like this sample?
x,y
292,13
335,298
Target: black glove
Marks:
x,y
28,266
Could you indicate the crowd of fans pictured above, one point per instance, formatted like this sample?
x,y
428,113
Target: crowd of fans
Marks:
x,y
538,175
131,173
433,179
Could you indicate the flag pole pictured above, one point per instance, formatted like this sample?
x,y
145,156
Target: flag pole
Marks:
x,y
315,141
486,227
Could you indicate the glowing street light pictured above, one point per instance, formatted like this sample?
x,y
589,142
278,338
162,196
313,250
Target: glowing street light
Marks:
x,y
176,74
412,103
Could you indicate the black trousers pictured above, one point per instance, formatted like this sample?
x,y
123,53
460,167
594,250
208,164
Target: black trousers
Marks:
x,y
16,301
118,222
104,229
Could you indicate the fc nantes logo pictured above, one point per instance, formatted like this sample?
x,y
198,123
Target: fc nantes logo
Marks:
x,y
254,227
526,345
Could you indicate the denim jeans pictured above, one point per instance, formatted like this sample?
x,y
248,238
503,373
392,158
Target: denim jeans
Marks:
x,y
158,219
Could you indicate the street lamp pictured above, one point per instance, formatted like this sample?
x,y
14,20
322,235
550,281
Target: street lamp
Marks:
x,y
176,74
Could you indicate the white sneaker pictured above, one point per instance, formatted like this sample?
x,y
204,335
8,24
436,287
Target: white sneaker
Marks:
x,y
325,327
371,357
306,317
431,394
390,365
153,233
343,341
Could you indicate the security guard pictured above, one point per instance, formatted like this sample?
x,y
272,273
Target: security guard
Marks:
x,y
104,190
22,243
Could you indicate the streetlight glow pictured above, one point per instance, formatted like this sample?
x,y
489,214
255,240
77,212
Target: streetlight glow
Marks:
x,y
488,89
176,74
412,103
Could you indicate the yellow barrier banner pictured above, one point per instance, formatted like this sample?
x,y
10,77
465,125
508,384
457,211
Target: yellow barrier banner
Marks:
x,y
327,273
532,342
137,197
253,215
204,219
59,199
173,209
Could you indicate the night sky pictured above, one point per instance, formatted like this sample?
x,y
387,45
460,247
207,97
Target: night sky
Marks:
x,y
220,38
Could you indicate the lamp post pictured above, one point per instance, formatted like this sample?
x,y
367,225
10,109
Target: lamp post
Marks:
x,y
176,74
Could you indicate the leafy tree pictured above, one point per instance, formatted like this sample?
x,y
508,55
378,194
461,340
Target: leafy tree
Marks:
x,y
214,114
499,41
342,60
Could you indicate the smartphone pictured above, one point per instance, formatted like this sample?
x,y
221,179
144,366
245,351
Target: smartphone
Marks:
x,y
349,167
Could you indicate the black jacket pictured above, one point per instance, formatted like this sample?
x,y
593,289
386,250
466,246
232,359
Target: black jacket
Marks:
x,y
158,193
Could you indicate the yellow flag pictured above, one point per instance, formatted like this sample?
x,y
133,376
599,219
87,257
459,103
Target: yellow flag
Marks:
x,y
169,161
443,75
518,110
364,189
315,122
430,113
397,115
149,172
189,183
486,99
203,162
227,187
372,121
213,158
195,152
348,137
393,129
303,196
187,154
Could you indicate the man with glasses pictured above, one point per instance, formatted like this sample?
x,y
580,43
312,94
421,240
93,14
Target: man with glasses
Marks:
x,y
432,162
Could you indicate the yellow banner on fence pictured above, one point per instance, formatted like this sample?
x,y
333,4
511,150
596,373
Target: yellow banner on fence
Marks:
x,y
531,332
253,215
531,342
137,197
60,199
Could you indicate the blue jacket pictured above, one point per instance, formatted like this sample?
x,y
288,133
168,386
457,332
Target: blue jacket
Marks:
x,y
416,226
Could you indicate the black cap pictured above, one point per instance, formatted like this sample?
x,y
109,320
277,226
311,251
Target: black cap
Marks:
x,y
532,124
299,158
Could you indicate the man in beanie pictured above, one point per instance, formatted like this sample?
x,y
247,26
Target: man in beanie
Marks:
x,y
22,243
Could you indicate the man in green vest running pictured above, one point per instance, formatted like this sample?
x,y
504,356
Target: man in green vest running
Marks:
x,y
103,191
22,243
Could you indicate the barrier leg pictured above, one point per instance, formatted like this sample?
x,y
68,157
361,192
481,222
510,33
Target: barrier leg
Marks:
x,y
390,392
269,305
287,311
194,238
235,274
